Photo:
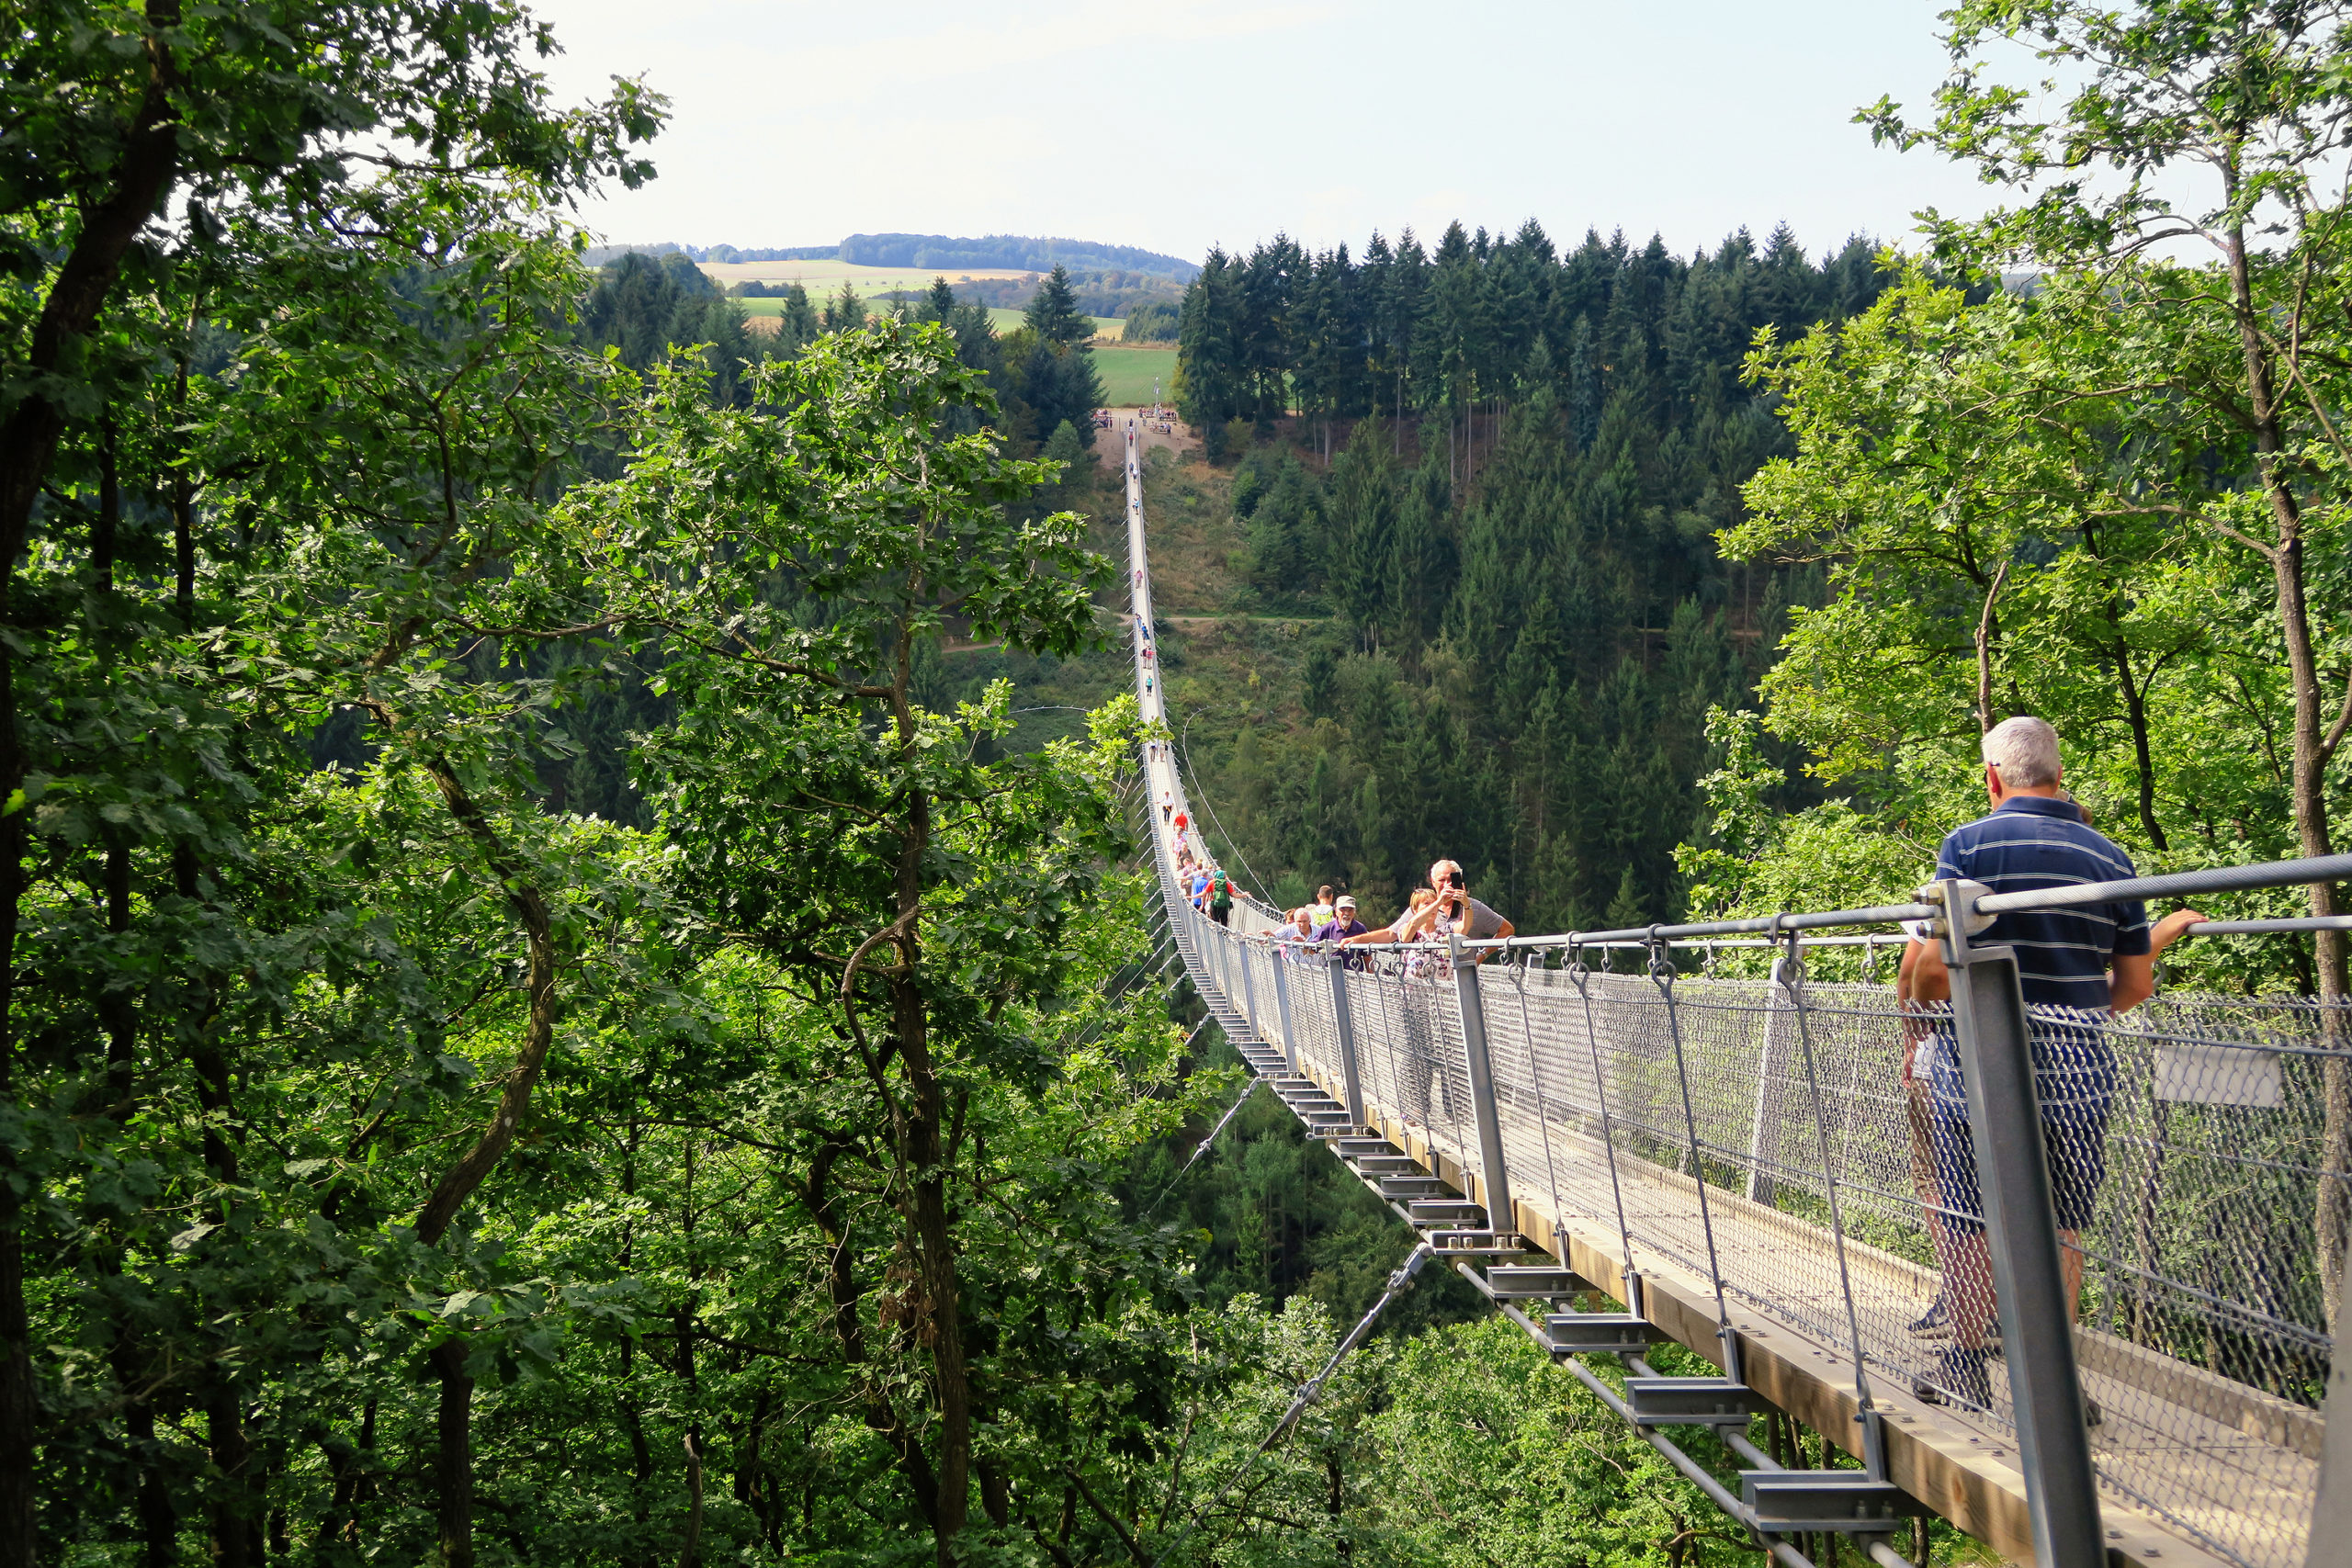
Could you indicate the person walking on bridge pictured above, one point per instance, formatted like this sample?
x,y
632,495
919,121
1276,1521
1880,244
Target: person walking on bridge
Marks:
x,y
1220,895
2077,967
1297,930
1448,909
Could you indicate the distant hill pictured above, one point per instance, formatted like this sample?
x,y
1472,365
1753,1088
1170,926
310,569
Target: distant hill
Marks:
x,y
944,253
597,255
939,252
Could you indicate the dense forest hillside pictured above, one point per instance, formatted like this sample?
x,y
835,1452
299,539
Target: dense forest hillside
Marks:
x,y
1490,625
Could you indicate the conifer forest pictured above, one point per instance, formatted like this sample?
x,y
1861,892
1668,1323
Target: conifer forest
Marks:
x,y
576,982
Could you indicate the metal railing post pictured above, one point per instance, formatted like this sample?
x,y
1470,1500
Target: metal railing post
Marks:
x,y
1344,1025
1278,963
1495,1171
2021,1221
1769,1072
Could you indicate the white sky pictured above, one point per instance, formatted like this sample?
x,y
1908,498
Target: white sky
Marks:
x,y
1191,122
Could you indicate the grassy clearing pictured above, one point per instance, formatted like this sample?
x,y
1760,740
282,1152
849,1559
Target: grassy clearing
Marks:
x,y
1003,318
1127,374
1236,671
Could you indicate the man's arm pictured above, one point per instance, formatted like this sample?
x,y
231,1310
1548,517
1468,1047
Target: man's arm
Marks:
x,y
1503,929
2133,979
1920,978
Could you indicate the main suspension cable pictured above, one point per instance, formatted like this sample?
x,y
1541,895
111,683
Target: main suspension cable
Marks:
x,y
1184,747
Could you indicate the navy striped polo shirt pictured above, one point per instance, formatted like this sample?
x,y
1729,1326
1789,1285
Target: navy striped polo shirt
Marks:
x,y
2034,842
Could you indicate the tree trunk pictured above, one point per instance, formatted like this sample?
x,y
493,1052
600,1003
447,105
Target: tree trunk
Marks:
x,y
453,1469
922,1150
19,1535
1986,630
841,1284
453,1460
236,1523
2333,1215
159,1525
942,1283
27,445
2135,713
690,1553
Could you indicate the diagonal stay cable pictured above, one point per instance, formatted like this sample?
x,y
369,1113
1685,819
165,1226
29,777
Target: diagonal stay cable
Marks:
x,y
1203,1147
1308,1392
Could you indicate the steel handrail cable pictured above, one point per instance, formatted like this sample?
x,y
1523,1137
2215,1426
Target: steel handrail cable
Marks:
x,y
1543,1115
1375,972
1581,977
1662,975
1184,744
1441,1073
1394,1039
1790,970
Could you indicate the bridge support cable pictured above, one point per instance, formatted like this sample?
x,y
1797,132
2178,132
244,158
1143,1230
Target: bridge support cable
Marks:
x,y
1788,974
1201,1148
1311,1390
1747,1164
1662,973
1582,976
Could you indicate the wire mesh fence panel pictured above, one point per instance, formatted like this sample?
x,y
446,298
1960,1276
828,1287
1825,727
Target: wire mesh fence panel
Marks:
x,y
2186,1144
1311,1015
1386,1068
1265,1015
1408,1035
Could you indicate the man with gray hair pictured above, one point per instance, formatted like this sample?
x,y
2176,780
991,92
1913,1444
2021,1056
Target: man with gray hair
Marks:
x,y
2077,967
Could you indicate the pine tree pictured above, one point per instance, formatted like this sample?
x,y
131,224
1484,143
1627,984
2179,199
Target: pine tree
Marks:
x,y
1210,382
1053,313
1629,907
844,312
800,323
1363,523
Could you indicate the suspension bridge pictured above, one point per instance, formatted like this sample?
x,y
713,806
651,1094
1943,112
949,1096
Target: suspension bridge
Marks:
x,y
1621,1152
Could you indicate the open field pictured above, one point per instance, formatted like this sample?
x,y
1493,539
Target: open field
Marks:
x,y
1128,372
827,276
1003,318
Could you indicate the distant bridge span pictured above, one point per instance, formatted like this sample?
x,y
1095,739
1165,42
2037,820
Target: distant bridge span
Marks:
x,y
1732,1160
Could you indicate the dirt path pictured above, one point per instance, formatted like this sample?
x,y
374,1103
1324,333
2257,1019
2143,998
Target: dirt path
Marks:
x,y
1110,450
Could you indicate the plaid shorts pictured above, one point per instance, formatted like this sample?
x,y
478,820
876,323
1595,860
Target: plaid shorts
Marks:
x,y
2074,1077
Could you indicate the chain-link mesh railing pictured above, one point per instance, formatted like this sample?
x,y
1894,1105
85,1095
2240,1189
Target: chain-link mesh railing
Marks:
x,y
2184,1142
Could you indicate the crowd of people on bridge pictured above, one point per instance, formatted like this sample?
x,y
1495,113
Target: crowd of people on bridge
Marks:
x,y
1445,909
